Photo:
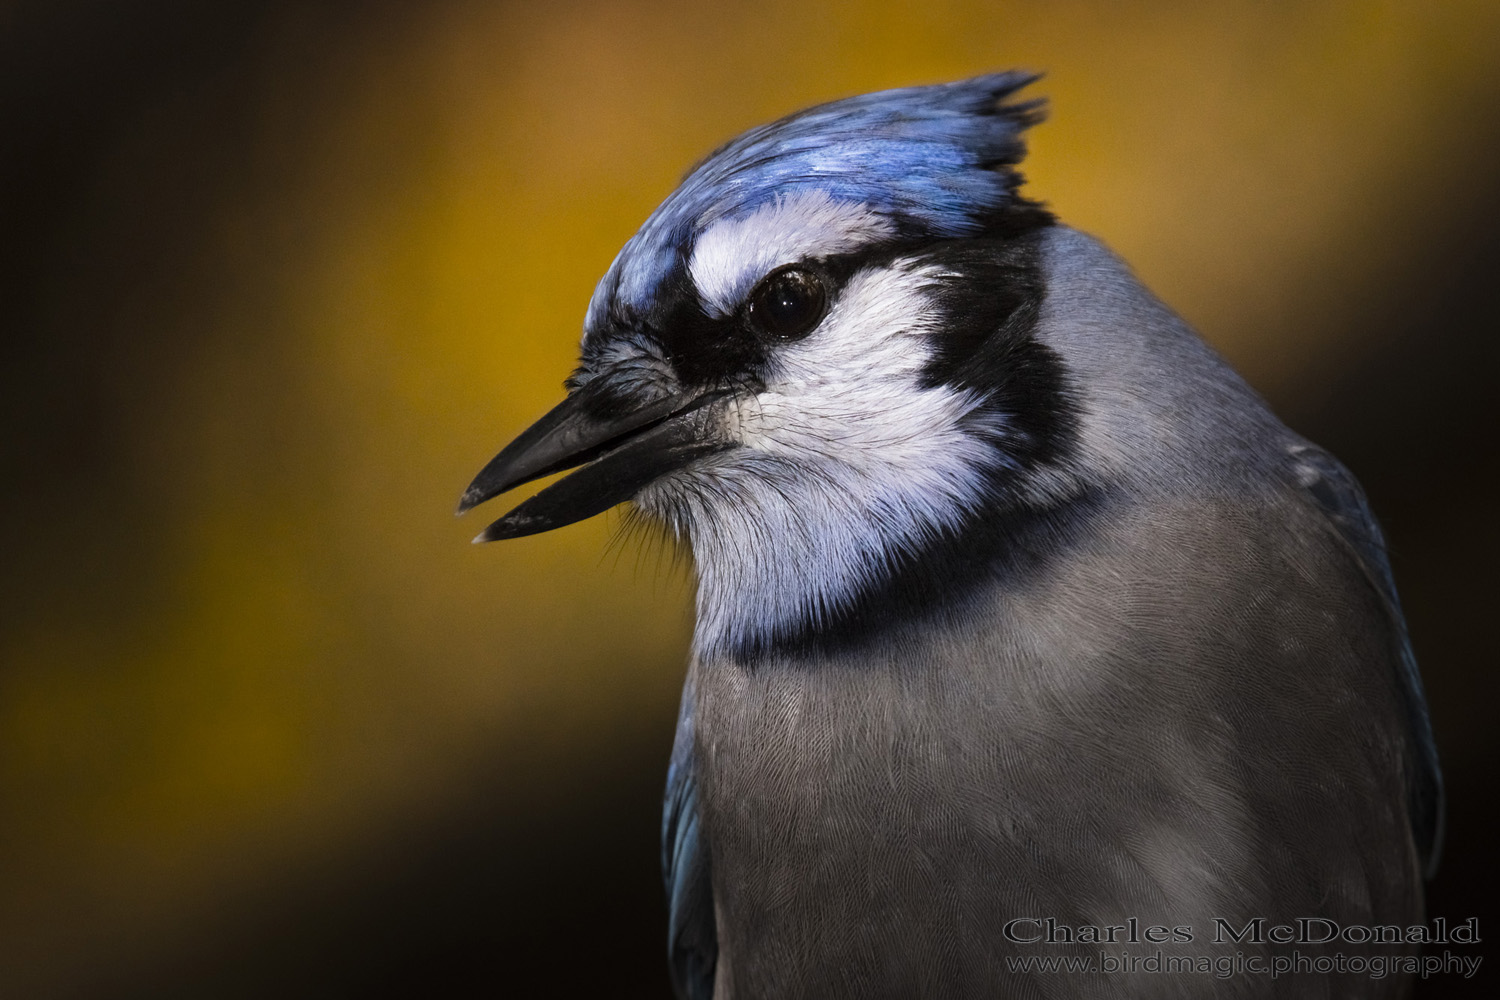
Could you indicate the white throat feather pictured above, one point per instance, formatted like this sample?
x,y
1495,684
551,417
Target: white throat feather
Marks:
x,y
848,460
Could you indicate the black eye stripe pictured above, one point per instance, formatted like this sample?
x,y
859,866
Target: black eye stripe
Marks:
x,y
708,348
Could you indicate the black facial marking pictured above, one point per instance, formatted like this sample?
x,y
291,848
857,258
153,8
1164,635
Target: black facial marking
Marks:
x,y
990,302
990,299
702,350
986,344
706,351
938,583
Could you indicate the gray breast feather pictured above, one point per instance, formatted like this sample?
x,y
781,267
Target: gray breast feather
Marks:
x,y
692,944
1186,717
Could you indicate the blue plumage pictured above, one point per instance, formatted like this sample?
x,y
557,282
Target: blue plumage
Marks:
x,y
932,159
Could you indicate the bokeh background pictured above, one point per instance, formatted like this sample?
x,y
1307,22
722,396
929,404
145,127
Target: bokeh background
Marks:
x,y
277,278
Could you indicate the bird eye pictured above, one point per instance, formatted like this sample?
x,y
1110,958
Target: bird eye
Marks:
x,y
788,303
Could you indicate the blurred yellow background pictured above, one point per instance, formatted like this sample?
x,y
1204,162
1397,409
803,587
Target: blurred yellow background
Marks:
x,y
281,277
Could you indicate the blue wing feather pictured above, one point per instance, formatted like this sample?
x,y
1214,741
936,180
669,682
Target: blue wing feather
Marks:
x,y
692,939
1338,493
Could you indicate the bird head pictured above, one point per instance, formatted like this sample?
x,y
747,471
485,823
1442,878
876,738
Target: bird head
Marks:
x,y
814,361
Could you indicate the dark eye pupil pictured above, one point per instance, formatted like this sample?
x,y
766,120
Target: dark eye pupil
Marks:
x,y
788,304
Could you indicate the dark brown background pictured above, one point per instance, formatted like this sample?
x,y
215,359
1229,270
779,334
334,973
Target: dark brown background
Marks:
x,y
276,278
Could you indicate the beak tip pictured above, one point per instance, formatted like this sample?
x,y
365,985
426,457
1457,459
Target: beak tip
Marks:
x,y
472,497
508,526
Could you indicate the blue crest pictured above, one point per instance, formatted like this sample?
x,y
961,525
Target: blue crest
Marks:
x,y
935,160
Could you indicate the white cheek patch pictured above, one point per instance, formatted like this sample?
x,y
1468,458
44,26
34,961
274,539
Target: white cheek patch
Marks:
x,y
852,391
733,254
848,460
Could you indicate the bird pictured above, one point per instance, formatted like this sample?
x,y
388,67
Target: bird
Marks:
x,y
1025,631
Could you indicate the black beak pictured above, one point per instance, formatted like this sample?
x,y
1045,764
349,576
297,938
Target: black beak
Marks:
x,y
625,451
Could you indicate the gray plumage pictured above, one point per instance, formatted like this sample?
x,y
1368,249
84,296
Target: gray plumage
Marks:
x,y
1128,650
1187,702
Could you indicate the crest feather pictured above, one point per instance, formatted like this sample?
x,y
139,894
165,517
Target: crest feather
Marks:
x,y
935,160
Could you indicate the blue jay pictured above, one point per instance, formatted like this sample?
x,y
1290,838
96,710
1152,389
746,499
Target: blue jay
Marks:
x,y
1024,628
